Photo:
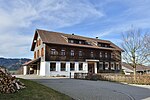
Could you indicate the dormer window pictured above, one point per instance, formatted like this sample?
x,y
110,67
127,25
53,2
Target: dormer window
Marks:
x,y
71,41
80,42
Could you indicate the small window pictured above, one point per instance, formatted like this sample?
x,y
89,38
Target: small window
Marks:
x,y
71,41
52,66
112,55
62,52
38,54
100,54
92,55
42,52
106,55
72,53
80,53
63,66
117,66
53,52
35,55
39,41
72,65
80,66
106,66
112,66
80,42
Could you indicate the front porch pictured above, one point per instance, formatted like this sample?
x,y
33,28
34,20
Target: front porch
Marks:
x,y
32,67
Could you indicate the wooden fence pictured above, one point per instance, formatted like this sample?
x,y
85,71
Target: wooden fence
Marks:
x,y
140,79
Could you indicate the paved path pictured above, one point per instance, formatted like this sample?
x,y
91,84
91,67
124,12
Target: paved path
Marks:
x,y
96,90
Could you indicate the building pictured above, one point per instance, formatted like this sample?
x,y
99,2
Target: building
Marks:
x,y
59,54
128,69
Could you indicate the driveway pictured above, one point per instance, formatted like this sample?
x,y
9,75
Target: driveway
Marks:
x,y
96,90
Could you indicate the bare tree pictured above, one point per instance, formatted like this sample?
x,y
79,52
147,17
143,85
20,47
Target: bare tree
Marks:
x,y
135,48
147,45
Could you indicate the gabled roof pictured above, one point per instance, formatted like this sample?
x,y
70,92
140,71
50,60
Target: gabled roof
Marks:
x,y
51,37
138,67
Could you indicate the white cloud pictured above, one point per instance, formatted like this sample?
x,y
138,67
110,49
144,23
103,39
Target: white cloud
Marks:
x,y
19,15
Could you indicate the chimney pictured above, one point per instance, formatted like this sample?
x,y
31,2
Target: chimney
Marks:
x,y
96,37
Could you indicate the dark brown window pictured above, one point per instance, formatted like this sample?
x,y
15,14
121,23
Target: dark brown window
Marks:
x,y
63,66
80,66
53,52
39,41
38,54
62,52
92,55
100,54
80,53
35,55
52,66
72,65
42,52
72,53
106,54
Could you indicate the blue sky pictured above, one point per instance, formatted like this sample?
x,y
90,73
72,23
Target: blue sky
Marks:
x,y
107,19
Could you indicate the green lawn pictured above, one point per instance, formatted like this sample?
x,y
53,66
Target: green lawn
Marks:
x,y
35,91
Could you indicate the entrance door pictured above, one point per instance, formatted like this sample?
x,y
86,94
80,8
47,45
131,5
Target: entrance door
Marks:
x,y
91,68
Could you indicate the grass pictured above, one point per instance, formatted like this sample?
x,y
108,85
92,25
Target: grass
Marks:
x,y
35,91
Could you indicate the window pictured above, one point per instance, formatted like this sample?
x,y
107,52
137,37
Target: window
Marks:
x,y
63,66
42,52
72,53
106,66
38,54
62,52
71,41
39,41
100,54
53,52
52,66
112,66
92,55
35,55
72,65
80,42
80,53
100,67
112,55
117,66
80,66
106,55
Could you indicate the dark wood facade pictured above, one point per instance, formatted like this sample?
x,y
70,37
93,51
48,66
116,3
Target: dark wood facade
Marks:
x,y
86,54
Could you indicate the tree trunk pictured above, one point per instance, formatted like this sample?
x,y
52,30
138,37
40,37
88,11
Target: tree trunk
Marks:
x,y
134,73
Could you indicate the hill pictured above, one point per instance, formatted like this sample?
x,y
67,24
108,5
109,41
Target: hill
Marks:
x,y
13,63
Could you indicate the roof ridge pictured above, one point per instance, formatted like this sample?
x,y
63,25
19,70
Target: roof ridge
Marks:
x,y
73,35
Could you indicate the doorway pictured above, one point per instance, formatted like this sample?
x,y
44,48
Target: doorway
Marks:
x,y
91,68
